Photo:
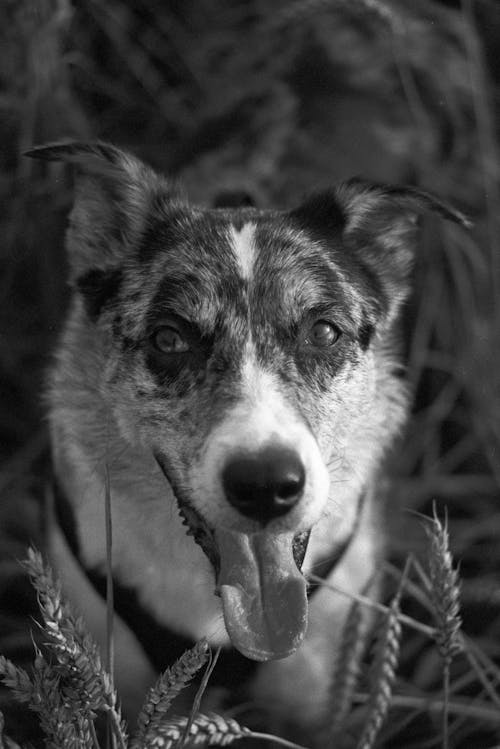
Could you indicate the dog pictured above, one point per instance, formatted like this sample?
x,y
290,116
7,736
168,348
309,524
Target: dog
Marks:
x,y
234,374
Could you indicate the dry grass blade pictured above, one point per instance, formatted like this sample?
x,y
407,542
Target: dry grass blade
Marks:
x,y
375,605
300,10
152,716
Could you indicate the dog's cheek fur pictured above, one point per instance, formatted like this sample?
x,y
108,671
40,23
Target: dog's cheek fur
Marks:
x,y
356,420
173,417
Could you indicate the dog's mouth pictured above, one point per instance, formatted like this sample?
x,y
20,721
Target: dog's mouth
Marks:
x,y
259,580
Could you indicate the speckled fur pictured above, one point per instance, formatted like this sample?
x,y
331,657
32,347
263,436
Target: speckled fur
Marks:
x,y
140,254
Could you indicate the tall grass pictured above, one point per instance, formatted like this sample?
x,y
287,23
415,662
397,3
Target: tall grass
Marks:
x,y
68,688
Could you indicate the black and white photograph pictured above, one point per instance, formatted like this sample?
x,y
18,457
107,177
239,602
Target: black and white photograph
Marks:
x,y
250,374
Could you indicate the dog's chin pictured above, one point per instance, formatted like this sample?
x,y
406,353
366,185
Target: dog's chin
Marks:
x,y
259,580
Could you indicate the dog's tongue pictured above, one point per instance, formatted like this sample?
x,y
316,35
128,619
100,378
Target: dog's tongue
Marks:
x,y
263,594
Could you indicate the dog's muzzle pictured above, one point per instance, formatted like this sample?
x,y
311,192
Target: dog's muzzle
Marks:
x,y
258,577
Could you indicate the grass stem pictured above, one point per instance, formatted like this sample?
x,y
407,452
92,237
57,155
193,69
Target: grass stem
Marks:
x,y
275,740
199,694
481,713
403,618
446,700
117,729
110,604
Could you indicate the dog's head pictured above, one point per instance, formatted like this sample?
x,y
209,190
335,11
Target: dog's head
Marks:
x,y
250,351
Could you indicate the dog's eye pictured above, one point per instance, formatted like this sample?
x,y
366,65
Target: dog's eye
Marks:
x,y
169,340
323,334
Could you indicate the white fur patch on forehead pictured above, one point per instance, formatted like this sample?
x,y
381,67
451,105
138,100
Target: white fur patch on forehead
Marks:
x,y
243,245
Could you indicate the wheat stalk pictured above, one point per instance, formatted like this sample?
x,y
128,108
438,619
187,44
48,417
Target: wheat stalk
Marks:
x,y
110,605
213,658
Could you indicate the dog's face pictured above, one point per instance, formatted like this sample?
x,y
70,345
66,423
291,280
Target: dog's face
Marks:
x,y
249,351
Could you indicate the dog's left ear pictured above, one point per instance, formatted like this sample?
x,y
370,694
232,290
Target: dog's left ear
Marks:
x,y
376,223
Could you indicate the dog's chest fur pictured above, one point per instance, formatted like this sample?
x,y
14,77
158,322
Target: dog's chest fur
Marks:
x,y
233,373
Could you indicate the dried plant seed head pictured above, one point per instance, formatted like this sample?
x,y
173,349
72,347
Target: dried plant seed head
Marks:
x,y
208,730
166,689
383,674
445,588
16,679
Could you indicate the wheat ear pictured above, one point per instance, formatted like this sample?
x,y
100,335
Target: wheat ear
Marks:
x,y
445,598
16,679
85,684
58,716
77,655
160,696
210,730
445,588
383,670
346,670
5,741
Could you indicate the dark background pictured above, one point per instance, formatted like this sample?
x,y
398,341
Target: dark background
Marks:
x,y
278,99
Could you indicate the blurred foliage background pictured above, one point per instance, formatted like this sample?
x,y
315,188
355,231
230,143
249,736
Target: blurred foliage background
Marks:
x,y
276,98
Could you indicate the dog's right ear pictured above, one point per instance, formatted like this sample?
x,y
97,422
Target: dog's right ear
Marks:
x,y
113,193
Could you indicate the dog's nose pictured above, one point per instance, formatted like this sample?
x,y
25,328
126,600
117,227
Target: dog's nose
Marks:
x,y
265,484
